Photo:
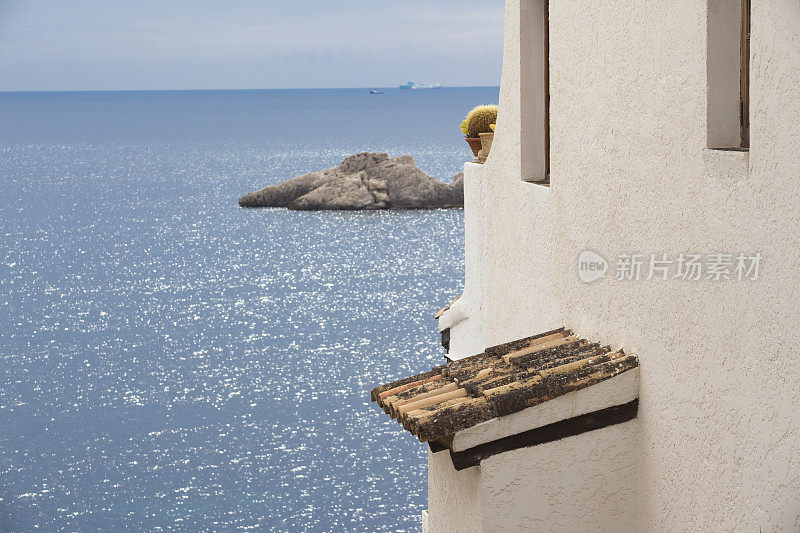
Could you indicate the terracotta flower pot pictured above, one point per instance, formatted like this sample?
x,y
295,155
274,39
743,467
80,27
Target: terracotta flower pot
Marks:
x,y
475,144
486,146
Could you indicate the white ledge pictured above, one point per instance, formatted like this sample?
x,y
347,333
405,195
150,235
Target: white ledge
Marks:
x,y
474,167
457,313
615,391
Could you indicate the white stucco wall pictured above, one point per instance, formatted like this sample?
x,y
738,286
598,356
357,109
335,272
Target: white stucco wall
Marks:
x,y
576,484
454,498
716,445
464,318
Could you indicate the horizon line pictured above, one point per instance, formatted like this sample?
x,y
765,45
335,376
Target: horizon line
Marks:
x,y
366,87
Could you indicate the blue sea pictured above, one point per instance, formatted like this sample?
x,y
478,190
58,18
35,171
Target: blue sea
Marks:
x,y
172,362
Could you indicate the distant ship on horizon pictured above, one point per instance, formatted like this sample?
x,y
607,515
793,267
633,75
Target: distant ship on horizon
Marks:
x,y
412,85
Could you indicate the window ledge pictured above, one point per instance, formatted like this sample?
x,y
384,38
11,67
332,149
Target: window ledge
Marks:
x,y
726,163
541,183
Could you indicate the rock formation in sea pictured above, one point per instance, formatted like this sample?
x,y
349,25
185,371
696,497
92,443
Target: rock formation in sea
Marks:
x,y
362,181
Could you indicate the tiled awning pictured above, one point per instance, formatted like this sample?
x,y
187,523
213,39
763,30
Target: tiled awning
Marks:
x,y
490,402
442,311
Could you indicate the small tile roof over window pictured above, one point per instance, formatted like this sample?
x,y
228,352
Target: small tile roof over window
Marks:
x,y
504,380
442,311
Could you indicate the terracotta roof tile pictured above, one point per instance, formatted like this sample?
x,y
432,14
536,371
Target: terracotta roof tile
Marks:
x,y
441,311
501,381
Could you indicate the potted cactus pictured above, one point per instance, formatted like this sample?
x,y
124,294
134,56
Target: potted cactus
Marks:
x,y
486,144
478,121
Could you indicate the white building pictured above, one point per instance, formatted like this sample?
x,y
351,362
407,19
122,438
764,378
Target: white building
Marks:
x,y
664,139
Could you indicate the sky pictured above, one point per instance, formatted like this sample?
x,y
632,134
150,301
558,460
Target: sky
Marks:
x,y
57,45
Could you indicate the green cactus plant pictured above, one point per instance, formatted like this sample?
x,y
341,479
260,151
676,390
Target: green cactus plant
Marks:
x,y
479,119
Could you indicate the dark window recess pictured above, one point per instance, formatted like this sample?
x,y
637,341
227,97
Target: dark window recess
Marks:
x,y
446,340
728,37
744,76
547,90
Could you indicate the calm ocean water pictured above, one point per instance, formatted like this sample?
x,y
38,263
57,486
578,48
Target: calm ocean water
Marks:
x,y
169,361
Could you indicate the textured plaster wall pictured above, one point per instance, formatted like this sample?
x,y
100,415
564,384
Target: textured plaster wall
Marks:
x,y
467,334
518,214
565,485
454,498
717,441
